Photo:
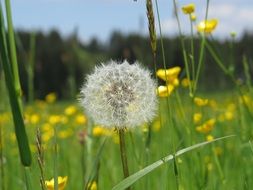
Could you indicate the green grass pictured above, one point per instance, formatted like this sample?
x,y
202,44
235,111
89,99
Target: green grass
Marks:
x,y
198,169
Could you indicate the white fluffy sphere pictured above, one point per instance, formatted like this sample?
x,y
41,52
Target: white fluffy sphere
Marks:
x,y
119,95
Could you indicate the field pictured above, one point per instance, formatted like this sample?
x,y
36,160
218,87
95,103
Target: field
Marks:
x,y
145,125
221,165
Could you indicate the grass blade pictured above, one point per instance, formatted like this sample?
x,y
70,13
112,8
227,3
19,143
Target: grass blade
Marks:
x,y
21,135
135,177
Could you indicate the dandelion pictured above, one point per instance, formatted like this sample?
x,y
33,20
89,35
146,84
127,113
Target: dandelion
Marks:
x,y
188,9
207,26
61,183
119,95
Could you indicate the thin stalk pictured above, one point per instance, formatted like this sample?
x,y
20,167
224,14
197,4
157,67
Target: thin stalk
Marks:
x,y
202,50
200,62
40,159
2,159
30,68
123,153
164,65
192,50
217,162
183,47
13,56
28,178
55,160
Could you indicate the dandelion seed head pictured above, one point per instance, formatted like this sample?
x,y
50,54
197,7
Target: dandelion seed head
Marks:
x,y
119,95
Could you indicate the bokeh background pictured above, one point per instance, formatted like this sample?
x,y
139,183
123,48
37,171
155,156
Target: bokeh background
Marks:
x,y
72,36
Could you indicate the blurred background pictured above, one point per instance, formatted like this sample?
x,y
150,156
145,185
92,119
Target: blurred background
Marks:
x,y
64,40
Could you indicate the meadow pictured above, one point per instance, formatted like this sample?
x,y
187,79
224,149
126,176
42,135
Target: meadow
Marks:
x,y
197,139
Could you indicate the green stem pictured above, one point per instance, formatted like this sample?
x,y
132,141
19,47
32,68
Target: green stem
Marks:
x,y
183,47
30,69
13,56
192,50
123,153
55,160
20,132
28,178
1,159
200,62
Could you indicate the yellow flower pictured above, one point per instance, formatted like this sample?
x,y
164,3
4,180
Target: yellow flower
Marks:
x,y
193,17
61,183
54,119
51,97
197,117
81,119
185,82
165,91
200,102
207,126
100,131
93,186
207,26
209,137
156,125
34,119
65,134
169,75
188,9
70,110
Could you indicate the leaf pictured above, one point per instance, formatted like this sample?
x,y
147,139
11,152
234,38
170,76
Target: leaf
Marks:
x,y
136,176
20,132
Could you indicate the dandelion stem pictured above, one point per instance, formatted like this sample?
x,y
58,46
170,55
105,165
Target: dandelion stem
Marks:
x,y
123,153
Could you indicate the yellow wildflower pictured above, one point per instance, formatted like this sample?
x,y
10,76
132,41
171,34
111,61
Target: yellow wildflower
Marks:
x,y
100,131
209,137
229,115
156,125
81,119
51,97
61,183
169,75
188,9
193,17
197,117
34,119
218,150
185,82
93,186
70,110
207,26
207,126
65,133
54,119
200,102
165,91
